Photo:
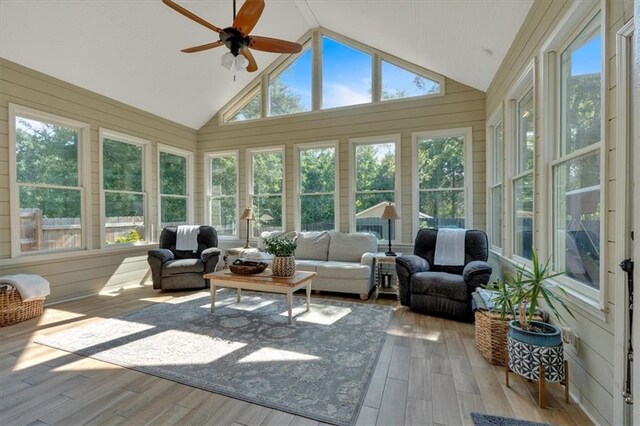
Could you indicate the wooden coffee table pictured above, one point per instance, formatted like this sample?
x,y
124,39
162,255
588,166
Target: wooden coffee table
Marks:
x,y
261,282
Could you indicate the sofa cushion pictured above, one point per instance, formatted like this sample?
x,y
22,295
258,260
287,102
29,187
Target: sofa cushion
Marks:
x,y
351,247
313,245
307,265
441,284
182,266
343,270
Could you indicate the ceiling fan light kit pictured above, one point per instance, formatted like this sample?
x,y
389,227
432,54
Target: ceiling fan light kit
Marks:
x,y
236,37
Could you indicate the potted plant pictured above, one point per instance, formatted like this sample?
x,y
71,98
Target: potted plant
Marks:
x,y
284,264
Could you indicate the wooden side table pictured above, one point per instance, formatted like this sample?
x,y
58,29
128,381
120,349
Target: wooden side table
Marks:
x,y
387,265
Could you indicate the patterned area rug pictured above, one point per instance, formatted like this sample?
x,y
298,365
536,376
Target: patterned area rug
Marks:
x,y
480,419
319,368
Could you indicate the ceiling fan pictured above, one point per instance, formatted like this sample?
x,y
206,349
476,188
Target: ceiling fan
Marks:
x,y
236,37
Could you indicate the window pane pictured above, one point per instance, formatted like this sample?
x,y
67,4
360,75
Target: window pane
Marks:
x,y
369,210
318,170
526,138
523,206
272,205
223,215
497,153
49,218
173,174
174,210
121,166
441,209
267,173
46,153
224,175
496,216
290,91
581,70
376,167
252,110
398,83
441,163
318,212
346,75
577,219
124,217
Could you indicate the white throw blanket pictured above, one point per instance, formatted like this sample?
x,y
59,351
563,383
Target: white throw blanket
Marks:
x,y
30,287
187,237
450,247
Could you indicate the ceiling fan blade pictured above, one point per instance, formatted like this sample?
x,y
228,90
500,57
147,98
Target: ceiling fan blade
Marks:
x,y
252,62
267,44
190,15
248,16
202,47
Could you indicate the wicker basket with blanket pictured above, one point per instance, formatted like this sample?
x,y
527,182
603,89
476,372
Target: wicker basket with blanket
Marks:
x,y
15,308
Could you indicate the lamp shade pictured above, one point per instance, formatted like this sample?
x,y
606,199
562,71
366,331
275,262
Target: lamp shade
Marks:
x,y
247,214
390,212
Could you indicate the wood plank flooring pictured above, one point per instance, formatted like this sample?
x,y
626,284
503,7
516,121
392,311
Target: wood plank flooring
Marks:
x,y
429,373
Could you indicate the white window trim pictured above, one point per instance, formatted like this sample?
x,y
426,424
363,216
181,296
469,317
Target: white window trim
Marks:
x,y
467,134
574,21
208,156
494,121
146,182
525,82
314,39
249,168
84,176
372,140
189,156
297,210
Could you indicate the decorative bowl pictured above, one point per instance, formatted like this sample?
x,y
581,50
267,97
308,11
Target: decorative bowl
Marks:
x,y
247,267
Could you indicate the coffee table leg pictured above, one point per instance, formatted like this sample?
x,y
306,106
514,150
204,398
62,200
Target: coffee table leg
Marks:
x,y
289,303
212,286
308,296
238,298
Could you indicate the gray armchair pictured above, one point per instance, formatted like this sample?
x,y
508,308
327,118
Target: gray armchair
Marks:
x,y
173,269
443,290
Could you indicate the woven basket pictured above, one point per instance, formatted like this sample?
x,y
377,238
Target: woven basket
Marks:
x,y
284,266
13,310
491,336
247,267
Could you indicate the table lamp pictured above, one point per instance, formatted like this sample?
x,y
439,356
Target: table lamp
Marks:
x,y
390,214
247,215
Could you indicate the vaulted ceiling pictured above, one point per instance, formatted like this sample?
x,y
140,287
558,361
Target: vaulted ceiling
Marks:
x,y
130,50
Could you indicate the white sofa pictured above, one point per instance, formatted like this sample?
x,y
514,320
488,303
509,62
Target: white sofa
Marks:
x,y
343,262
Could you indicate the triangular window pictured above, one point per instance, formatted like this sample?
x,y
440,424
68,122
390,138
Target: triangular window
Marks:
x,y
399,83
290,89
248,109
346,75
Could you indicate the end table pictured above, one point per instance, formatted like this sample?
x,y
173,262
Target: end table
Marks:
x,y
385,266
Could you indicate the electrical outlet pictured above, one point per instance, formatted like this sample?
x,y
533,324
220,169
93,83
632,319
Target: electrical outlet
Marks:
x,y
570,338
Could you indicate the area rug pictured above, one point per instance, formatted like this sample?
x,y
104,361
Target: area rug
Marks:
x,y
480,419
318,368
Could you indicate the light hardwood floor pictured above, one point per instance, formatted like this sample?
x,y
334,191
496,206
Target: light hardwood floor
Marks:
x,y
429,373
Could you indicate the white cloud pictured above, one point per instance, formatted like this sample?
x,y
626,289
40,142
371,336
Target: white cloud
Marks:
x,y
336,95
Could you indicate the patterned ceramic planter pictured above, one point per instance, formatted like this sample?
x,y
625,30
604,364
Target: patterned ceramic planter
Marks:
x,y
529,350
284,266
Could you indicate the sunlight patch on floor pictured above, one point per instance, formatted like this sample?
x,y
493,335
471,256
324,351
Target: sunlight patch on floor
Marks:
x,y
319,314
276,355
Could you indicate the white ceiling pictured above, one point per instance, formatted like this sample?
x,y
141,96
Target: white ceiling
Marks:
x,y
130,50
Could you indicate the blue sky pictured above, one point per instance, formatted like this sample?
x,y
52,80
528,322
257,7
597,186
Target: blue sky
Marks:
x,y
588,58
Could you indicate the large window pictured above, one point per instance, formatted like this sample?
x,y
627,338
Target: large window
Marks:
x,y
222,190
346,75
522,179
441,168
290,89
576,169
124,171
375,180
399,83
316,187
48,181
175,186
266,189
494,179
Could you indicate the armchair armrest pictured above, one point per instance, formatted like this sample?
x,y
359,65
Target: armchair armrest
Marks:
x,y
210,258
163,255
476,274
406,266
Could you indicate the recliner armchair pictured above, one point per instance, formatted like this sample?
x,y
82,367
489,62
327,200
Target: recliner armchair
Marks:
x,y
443,290
173,269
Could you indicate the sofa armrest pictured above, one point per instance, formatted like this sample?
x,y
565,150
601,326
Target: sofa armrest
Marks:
x,y
210,258
367,259
476,274
163,255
